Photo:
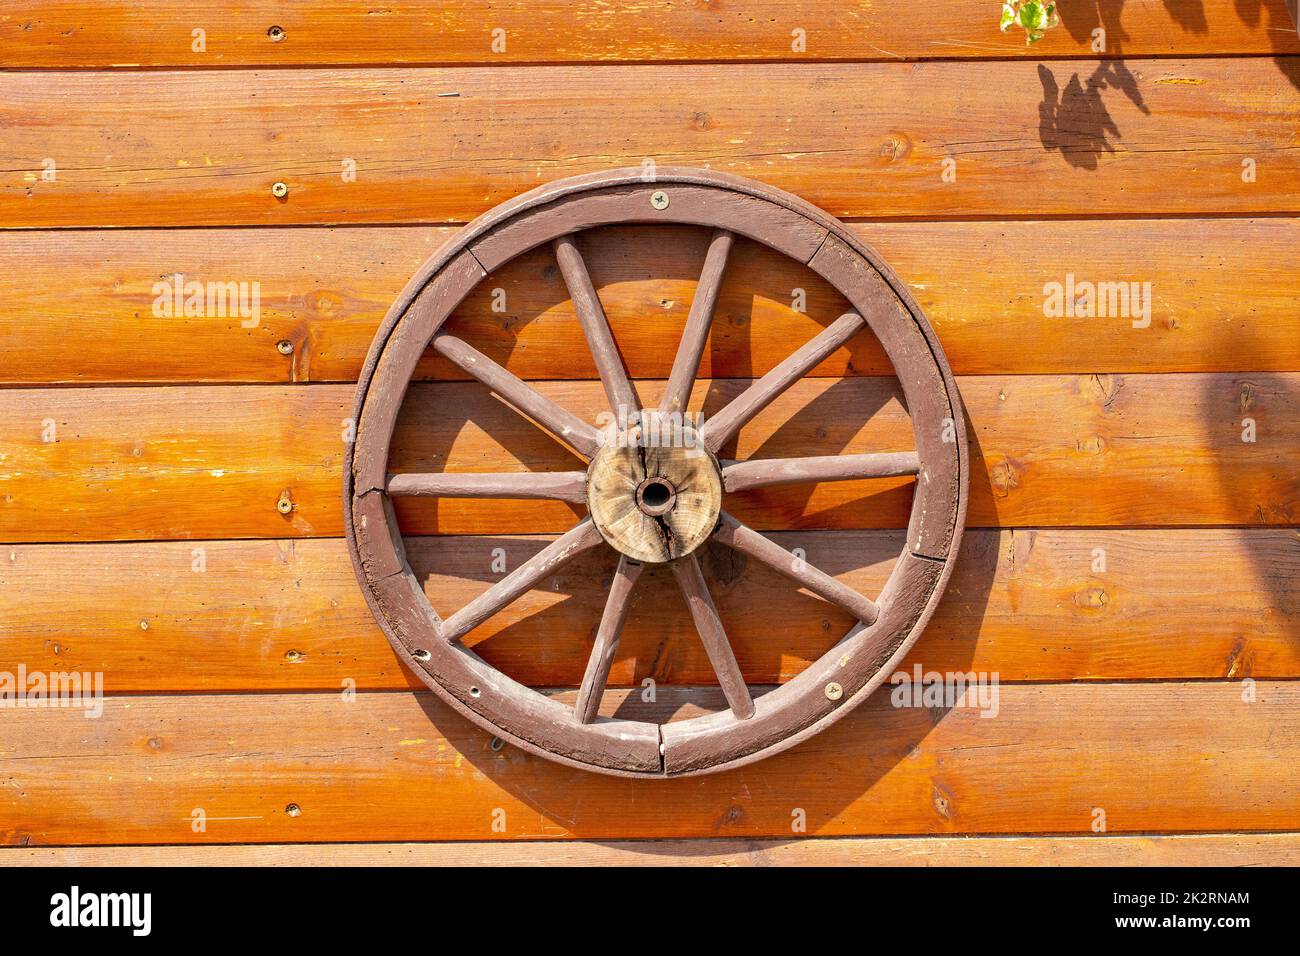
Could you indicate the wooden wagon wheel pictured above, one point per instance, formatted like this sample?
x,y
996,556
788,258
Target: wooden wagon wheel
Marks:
x,y
656,504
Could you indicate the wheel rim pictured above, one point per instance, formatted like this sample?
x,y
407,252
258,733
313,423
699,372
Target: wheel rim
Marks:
x,y
628,510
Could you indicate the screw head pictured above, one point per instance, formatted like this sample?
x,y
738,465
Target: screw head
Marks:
x,y
659,199
279,190
284,347
834,691
285,504
293,810
276,34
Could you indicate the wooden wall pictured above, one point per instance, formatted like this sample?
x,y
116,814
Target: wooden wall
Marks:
x,y
142,456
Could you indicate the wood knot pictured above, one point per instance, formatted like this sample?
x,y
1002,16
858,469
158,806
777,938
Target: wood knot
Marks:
x,y
702,121
1101,389
1241,661
735,813
1246,398
895,147
1092,445
1004,477
943,801
327,303
1091,598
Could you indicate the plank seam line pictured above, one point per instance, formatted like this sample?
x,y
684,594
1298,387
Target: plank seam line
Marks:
x,y
194,384
547,536
739,837
1060,835
1280,527
677,688
1064,217
556,64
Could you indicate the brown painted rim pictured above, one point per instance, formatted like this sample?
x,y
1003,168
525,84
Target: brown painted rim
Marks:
x,y
782,717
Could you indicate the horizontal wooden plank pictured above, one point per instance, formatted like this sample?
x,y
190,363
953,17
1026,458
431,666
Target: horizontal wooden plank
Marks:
x,y
398,766
1029,605
61,33
213,461
1218,302
1201,849
869,140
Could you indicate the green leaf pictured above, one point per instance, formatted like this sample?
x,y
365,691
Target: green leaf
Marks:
x,y
1031,16
1008,16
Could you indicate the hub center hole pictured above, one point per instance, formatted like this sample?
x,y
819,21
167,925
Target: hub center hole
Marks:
x,y
656,496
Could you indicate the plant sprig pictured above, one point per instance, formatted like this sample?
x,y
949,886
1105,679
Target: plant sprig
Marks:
x,y
1035,16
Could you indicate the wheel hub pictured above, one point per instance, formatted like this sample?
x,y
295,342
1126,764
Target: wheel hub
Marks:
x,y
652,502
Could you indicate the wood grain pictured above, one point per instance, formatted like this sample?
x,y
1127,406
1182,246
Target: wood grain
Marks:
x,y
204,148
213,461
1069,426
1217,304
1201,849
398,766
62,33
1031,605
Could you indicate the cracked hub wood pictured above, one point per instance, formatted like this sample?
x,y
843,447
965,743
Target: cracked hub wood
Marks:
x,y
654,503
657,501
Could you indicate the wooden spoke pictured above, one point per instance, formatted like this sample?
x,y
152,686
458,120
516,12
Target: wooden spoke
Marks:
x,y
555,485
618,389
743,475
559,421
691,580
723,426
761,548
686,364
611,626
577,540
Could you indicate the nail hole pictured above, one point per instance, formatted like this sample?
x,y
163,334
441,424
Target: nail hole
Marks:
x,y
475,692
293,810
292,656
497,744
284,347
421,654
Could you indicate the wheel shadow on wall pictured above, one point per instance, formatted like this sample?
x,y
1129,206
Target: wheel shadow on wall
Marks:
x,y
822,777
757,799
